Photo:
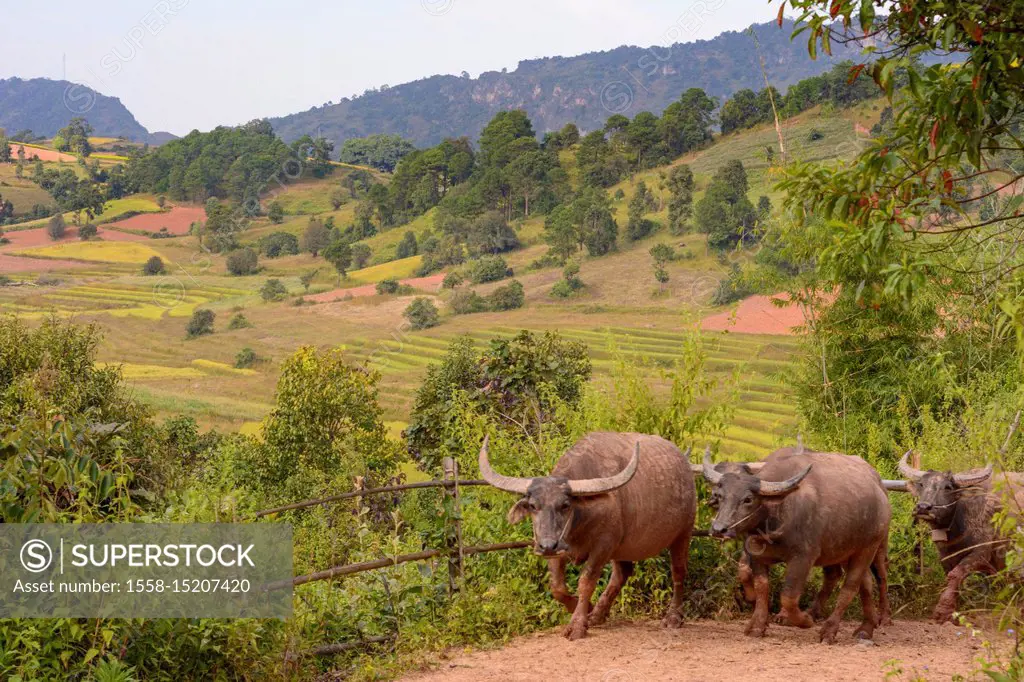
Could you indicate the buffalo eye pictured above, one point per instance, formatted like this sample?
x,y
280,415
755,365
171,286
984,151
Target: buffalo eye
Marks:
x,y
532,505
564,506
748,498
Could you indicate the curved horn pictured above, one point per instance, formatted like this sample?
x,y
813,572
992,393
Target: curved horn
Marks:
x,y
509,484
709,468
907,470
772,488
598,486
972,479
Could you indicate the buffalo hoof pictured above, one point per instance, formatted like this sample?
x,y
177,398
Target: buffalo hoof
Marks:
x,y
942,616
885,621
803,621
574,631
755,629
865,631
595,619
672,619
828,633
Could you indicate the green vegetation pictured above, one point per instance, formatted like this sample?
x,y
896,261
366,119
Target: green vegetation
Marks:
x,y
422,314
200,324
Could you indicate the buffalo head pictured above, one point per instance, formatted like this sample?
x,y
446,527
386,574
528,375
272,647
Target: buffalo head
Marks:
x,y
551,501
739,497
937,492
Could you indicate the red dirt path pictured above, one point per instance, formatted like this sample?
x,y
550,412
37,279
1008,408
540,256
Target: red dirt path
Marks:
x,y
711,651
756,315
43,154
177,221
431,283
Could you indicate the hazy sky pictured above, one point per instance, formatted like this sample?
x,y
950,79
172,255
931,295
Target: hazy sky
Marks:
x,y
185,64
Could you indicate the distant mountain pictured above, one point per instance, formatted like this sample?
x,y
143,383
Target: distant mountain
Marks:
x,y
45,106
586,89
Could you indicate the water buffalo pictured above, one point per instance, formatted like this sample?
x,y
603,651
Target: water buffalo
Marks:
x,y
618,497
806,509
959,510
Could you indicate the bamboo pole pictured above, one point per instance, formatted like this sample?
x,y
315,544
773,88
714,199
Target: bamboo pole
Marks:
x,y
361,493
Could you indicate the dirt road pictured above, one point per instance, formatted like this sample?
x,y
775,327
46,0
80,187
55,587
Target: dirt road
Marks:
x,y
708,650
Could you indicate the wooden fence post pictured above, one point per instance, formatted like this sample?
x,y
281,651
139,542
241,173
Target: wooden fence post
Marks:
x,y
453,534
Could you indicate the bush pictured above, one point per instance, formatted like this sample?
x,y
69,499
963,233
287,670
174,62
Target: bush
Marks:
x,y
422,314
154,266
733,288
508,297
387,286
815,135
239,321
489,269
273,290
279,244
662,253
200,324
466,302
56,227
243,262
570,282
87,232
276,212
246,358
451,280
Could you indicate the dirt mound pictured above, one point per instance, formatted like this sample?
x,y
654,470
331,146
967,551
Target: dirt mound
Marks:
x,y
709,650
431,283
43,154
757,315
178,220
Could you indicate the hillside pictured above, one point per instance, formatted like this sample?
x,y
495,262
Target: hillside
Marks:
x,y
45,106
585,89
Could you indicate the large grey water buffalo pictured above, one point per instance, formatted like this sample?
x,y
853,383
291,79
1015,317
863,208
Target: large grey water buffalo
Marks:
x,y
612,497
959,509
806,509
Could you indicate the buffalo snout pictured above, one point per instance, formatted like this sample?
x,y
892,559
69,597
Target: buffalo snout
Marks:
x,y
722,530
923,509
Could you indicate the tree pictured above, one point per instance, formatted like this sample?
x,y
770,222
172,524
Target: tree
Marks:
x,y
5,148
725,213
223,223
490,233
279,244
422,314
382,152
680,202
642,135
273,290
640,204
387,286
200,324
662,253
316,237
407,247
661,275
154,266
488,269
74,137
685,124
316,152
241,262
499,137
276,212
338,198
87,232
56,227
306,279
339,254
508,297
6,210
361,254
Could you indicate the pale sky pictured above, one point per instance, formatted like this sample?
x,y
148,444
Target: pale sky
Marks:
x,y
184,64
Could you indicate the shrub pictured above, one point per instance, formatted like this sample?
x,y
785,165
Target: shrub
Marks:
x,y
279,244
161,201
56,227
508,297
562,289
243,262
246,358
815,135
361,255
387,286
422,314
273,290
239,321
489,269
276,212
306,279
732,288
200,324
570,282
451,280
154,266
466,302
87,232
48,280
662,253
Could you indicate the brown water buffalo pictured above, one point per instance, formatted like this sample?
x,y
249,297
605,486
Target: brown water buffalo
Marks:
x,y
612,497
806,509
959,509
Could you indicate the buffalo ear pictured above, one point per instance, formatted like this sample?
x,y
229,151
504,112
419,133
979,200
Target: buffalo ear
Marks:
x,y
518,512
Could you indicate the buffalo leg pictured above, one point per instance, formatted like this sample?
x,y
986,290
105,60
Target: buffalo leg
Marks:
x,y
577,628
680,556
746,578
759,621
559,590
947,602
796,579
855,574
867,603
830,577
880,567
621,570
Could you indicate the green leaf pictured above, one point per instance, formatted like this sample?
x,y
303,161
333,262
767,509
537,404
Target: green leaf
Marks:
x,y
867,15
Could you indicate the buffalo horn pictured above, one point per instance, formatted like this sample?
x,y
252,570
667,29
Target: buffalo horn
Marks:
x,y
782,487
598,486
709,468
509,484
907,470
972,479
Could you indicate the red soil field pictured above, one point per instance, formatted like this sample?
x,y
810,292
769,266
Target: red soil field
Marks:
x,y
43,154
177,221
25,239
10,264
756,315
431,283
